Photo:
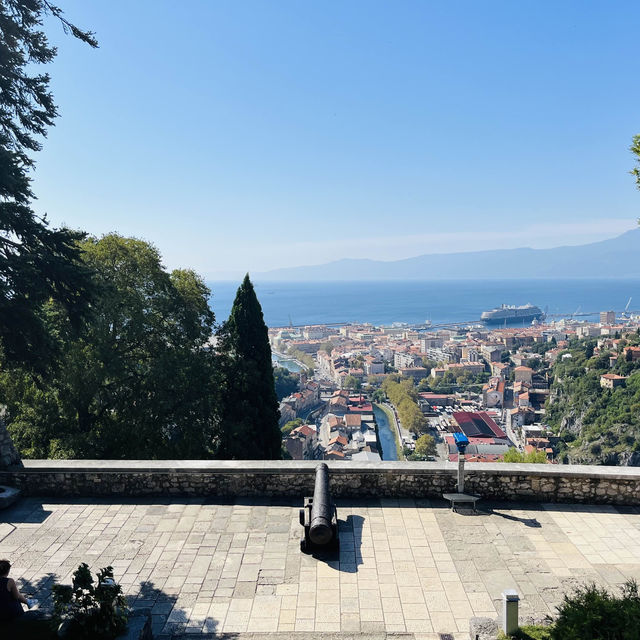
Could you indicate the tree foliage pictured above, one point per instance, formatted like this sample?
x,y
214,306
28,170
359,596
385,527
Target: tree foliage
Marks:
x,y
352,382
402,394
533,457
425,448
85,609
593,612
328,346
249,423
137,380
453,380
584,414
288,427
286,382
635,149
36,262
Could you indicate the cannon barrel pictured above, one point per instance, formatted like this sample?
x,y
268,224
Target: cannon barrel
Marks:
x,y
320,530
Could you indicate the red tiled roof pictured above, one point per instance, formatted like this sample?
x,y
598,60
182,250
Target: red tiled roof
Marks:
x,y
479,424
305,430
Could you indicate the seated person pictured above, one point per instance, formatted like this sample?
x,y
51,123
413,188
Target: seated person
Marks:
x,y
10,597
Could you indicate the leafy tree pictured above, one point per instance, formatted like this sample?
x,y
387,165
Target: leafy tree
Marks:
x,y
37,263
374,381
425,448
353,383
429,364
288,427
635,149
137,381
534,363
534,457
402,394
249,425
505,357
328,346
542,347
286,382
584,414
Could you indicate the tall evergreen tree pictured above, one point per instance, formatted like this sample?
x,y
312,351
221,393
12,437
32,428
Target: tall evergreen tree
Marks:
x,y
250,414
36,262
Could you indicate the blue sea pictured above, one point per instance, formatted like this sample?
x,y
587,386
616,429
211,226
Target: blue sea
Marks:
x,y
442,301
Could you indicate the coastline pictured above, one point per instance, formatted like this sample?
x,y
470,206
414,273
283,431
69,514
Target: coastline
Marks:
x,y
414,302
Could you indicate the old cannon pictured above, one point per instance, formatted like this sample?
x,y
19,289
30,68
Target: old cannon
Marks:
x,y
319,516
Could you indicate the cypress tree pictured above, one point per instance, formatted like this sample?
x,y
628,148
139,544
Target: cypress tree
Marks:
x,y
249,421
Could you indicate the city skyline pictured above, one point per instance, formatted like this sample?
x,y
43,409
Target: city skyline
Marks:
x,y
283,135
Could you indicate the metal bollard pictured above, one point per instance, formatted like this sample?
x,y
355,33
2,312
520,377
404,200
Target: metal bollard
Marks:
x,y
510,599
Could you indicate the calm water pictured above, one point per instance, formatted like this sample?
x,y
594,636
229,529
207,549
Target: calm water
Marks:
x,y
286,363
385,433
414,302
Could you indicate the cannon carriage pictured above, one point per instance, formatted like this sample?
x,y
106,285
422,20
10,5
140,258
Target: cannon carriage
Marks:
x,y
319,516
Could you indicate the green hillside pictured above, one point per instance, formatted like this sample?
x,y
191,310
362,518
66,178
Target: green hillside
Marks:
x,y
595,425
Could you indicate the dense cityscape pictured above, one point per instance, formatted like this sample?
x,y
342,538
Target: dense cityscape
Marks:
x,y
186,455
494,384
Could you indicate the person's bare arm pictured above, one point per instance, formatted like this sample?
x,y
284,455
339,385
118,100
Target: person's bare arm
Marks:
x,y
13,589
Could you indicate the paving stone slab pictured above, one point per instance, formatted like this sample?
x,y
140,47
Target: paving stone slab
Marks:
x,y
406,569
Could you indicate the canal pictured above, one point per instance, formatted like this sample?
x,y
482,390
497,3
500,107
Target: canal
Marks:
x,y
385,433
291,365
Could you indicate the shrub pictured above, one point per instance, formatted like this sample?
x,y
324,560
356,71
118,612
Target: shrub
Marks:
x,y
592,613
84,611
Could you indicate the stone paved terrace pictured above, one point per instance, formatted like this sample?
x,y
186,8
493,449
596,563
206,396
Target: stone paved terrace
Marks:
x,y
212,566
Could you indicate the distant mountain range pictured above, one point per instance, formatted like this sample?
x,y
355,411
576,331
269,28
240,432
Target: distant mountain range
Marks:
x,y
616,257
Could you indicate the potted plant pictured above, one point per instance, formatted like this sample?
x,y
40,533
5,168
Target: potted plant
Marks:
x,y
89,610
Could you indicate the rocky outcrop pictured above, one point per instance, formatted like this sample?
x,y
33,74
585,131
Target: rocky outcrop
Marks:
x,y
9,456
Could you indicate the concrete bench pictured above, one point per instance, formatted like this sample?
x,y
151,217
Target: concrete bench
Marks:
x,y
464,498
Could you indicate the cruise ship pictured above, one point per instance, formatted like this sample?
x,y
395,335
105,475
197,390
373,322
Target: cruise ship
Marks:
x,y
511,313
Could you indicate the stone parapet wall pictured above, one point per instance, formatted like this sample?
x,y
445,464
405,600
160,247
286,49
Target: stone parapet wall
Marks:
x,y
130,478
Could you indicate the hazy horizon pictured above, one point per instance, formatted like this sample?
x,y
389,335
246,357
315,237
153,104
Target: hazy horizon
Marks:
x,y
275,135
264,275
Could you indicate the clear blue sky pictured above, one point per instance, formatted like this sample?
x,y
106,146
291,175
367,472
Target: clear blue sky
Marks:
x,y
253,135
